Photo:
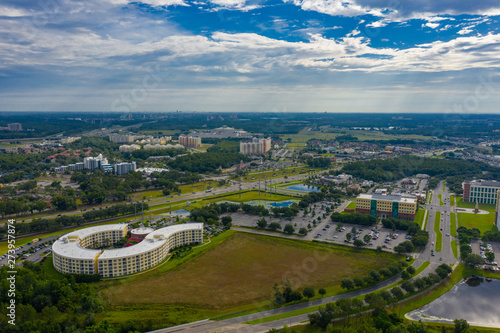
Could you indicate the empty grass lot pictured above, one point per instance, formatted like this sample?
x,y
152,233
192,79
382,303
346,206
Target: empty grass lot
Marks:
x,y
441,203
240,272
452,200
439,234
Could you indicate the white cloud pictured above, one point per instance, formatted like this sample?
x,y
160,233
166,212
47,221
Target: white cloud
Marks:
x,y
13,12
432,25
335,7
234,5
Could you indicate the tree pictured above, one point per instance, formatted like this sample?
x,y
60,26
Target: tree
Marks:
x,y
166,191
308,292
322,291
353,230
348,237
405,275
358,243
303,231
289,229
358,282
410,270
490,256
474,260
274,226
408,286
262,223
461,325
367,238
226,220
347,284
397,292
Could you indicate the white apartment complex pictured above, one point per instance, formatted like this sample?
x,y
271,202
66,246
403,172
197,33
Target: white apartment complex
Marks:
x,y
128,148
72,255
255,147
93,163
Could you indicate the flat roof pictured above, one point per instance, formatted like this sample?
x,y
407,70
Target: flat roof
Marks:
x,y
387,197
152,241
481,182
66,247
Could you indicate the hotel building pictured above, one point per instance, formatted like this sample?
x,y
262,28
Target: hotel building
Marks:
x,y
386,205
190,141
255,147
73,254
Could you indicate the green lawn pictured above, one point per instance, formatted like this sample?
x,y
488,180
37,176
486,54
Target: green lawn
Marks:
x,y
453,225
444,185
425,222
419,217
439,234
441,203
452,200
483,222
454,248
352,205
422,267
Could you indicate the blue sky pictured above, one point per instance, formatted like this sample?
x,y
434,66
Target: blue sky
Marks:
x,y
238,55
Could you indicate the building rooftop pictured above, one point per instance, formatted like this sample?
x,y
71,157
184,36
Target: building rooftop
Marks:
x,y
387,197
67,247
482,182
152,241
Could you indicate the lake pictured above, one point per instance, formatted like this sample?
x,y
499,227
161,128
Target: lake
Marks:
x,y
474,299
303,188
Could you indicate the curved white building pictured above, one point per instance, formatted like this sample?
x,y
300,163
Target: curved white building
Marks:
x,y
72,253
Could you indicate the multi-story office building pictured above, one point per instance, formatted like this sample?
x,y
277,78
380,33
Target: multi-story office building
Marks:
x,y
387,205
129,148
93,163
72,253
190,141
257,146
482,191
124,168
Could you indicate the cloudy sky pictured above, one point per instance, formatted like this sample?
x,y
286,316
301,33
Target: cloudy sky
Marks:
x,y
238,55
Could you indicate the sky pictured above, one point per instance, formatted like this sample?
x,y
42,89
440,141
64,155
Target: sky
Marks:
x,y
238,55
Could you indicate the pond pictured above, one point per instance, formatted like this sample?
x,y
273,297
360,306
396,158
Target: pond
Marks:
x,y
474,299
303,188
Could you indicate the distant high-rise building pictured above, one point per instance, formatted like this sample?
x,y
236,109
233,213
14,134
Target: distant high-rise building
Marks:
x,y
190,141
93,163
124,168
255,147
15,127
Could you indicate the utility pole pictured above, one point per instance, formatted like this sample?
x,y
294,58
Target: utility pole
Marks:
x,y
265,186
240,187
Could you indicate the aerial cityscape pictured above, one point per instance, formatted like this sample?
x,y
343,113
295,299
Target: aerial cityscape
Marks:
x,y
234,166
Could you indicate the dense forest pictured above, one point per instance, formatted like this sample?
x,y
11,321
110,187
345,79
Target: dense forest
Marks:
x,y
207,162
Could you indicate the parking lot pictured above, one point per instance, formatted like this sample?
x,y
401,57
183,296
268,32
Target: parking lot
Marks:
x,y
481,248
33,252
379,236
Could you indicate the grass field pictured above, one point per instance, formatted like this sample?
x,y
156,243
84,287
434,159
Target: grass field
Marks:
x,y
452,200
185,189
483,222
444,185
419,217
270,174
352,205
441,203
425,222
453,225
239,274
439,234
